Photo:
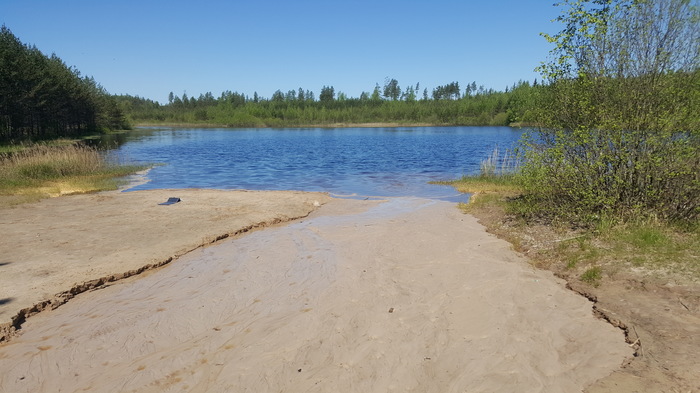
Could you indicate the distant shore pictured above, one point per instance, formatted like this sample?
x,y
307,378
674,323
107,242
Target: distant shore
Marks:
x,y
325,125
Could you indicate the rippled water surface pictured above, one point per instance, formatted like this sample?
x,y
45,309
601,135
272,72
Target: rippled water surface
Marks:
x,y
343,161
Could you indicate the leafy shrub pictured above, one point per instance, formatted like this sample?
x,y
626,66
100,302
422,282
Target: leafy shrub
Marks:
x,y
587,175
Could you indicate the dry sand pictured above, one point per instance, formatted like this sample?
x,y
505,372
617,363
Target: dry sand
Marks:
x,y
404,295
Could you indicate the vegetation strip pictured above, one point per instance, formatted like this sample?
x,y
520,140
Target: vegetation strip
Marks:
x,y
42,170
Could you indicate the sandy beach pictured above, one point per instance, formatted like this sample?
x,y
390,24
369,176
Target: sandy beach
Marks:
x,y
51,250
402,295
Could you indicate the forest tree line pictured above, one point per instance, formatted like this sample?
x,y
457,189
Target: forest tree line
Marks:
x,y
444,105
41,97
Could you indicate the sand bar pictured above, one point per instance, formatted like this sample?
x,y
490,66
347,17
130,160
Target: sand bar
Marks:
x,y
58,244
405,295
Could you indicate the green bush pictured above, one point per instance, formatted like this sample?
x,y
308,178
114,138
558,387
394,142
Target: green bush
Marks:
x,y
620,115
587,175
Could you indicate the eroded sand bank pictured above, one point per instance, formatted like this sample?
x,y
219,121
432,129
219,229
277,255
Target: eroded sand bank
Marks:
x,y
406,295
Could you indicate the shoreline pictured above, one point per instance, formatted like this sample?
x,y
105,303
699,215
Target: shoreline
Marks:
x,y
421,260
78,241
331,125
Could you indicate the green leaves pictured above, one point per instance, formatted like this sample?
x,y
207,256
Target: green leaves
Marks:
x,y
624,38
327,94
620,116
392,90
586,175
478,107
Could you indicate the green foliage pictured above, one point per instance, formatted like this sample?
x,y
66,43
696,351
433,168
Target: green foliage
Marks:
x,y
624,38
327,94
589,175
447,92
392,90
236,110
523,103
620,136
57,169
592,276
41,97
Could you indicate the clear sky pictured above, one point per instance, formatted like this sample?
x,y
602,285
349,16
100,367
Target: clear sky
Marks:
x,y
152,47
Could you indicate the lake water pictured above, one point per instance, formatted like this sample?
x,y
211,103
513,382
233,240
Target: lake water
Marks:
x,y
346,162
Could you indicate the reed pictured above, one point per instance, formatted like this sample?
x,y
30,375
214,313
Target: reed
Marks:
x,y
497,178
499,163
40,171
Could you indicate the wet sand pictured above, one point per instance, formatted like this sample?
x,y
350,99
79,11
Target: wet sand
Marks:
x,y
404,295
53,249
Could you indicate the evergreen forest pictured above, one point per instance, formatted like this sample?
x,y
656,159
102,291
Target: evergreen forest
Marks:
x,y
43,98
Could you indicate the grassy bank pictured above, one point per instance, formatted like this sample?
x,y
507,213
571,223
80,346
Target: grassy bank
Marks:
x,y
30,173
647,247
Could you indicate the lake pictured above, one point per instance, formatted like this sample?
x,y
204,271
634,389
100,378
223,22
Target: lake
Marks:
x,y
346,162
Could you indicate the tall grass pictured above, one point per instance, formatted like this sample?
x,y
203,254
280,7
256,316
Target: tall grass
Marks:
x,y
46,162
43,170
496,176
499,164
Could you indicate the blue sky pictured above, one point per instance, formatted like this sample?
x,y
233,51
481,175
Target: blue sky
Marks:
x,y
149,48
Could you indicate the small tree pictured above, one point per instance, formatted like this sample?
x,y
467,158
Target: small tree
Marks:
x,y
278,96
291,96
392,90
327,94
375,93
